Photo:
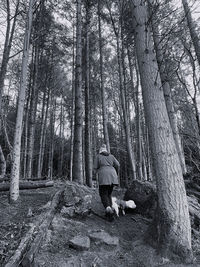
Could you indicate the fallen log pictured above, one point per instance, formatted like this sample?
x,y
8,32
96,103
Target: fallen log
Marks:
x,y
24,180
26,251
27,185
28,259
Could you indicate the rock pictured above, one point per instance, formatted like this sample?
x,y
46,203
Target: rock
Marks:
x,y
80,242
104,237
29,213
77,200
144,195
68,211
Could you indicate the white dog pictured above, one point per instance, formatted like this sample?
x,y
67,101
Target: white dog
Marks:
x,y
118,204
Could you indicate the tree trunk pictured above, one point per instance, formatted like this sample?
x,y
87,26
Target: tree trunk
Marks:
x,y
51,143
41,134
72,108
103,96
61,134
77,169
25,137
32,114
174,229
193,32
167,95
7,47
126,123
2,164
14,184
135,90
88,146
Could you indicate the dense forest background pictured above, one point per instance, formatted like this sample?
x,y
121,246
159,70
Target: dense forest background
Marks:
x,y
111,102
76,74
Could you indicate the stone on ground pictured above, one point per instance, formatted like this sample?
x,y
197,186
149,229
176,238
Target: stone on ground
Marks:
x,y
67,211
103,237
80,242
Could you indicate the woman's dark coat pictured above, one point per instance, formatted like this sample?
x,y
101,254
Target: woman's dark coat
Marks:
x,y
106,165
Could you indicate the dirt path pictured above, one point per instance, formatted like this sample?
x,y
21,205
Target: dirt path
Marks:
x,y
100,243
130,251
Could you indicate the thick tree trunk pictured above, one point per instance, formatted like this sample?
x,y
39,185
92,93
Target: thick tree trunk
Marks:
x,y
167,95
14,184
174,229
103,95
193,32
77,169
88,146
135,89
126,122
139,142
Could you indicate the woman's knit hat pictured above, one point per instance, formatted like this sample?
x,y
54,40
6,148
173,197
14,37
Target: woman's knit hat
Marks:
x,y
103,149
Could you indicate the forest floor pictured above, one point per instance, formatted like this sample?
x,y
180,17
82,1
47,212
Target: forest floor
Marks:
x,y
122,243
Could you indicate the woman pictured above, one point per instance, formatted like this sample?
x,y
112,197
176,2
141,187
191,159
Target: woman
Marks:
x,y
107,167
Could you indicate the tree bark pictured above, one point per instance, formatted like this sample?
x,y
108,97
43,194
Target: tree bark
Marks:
x,y
32,114
173,226
88,146
7,47
43,134
193,32
51,143
72,106
103,95
77,169
61,134
167,94
14,184
2,164
126,123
